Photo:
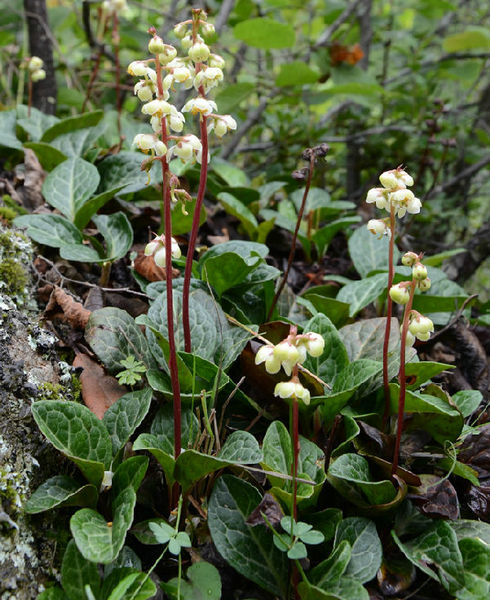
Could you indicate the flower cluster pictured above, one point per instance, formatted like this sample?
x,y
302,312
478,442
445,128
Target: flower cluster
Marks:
x,y
394,193
419,327
288,354
156,248
159,77
35,66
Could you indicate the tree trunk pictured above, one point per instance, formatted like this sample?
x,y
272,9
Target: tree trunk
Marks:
x,y
40,44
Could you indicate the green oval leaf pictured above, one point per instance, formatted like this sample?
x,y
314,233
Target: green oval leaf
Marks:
x,y
58,491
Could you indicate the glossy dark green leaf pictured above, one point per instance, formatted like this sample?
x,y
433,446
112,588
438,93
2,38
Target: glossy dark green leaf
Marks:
x,y
58,491
77,572
72,124
70,185
130,473
368,252
361,293
366,549
124,416
240,448
113,336
50,229
249,550
437,546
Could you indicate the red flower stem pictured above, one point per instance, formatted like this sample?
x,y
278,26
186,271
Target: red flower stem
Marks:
x,y
295,238
295,440
389,311
174,374
193,237
116,41
401,378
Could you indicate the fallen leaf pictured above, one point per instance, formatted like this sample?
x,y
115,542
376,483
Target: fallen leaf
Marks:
x,y
436,498
478,499
34,175
73,312
146,267
99,391
475,451
270,508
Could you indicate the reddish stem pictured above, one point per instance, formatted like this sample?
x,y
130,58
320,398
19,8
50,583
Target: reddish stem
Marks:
x,y
295,238
296,448
401,378
389,311
193,237
174,374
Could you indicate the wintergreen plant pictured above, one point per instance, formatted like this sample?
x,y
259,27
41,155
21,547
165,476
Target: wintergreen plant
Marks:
x,y
395,198
35,72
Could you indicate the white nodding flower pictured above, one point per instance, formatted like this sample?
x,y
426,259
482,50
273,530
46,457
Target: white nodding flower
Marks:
x,y
208,78
221,124
156,248
215,60
314,342
176,121
208,29
156,45
377,227
147,142
378,196
200,106
265,354
187,40
288,389
410,339
151,74
199,52
144,90
404,201
188,149
424,284
137,68
156,107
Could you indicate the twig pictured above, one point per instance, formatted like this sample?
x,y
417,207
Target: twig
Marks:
x,y
324,38
465,174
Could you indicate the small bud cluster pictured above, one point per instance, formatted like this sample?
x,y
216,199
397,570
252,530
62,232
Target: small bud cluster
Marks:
x,y
114,7
419,327
289,353
156,248
199,69
35,66
394,194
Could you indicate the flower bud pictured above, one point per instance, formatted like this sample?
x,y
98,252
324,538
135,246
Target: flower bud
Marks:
x,y
409,258
421,325
156,45
199,52
399,293
35,63
424,284
38,75
167,55
180,30
419,271
207,29
314,343
288,389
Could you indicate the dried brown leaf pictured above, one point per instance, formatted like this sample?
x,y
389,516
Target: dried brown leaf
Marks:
x,y
99,391
73,312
